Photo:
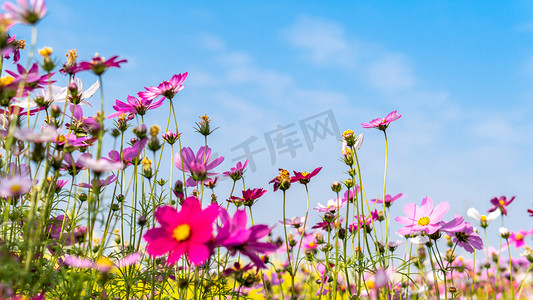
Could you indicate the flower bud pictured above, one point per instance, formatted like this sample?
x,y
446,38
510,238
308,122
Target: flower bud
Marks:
x,y
336,187
55,111
504,232
142,220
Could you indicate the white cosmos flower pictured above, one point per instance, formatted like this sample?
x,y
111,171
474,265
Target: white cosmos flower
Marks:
x,y
483,219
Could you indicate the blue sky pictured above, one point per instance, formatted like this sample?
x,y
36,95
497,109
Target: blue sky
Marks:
x,y
458,72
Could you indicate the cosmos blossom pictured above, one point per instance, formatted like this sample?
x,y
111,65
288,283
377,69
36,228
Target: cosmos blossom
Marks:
x,y
501,204
198,166
26,12
186,232
234,236
99,64
463,234
167,89
31,78
304,177
103,264
388,199
332,205
236,172
248,197
424,218
382,123
135,106
517,238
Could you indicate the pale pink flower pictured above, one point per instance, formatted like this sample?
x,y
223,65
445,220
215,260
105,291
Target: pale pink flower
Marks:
x,y
422,218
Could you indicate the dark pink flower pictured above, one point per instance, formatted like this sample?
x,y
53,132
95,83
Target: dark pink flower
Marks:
x,y
236,172
27,12
198,166
422,218
383,123
248,197
72,166
99,65
501,204
517,238
234,236
31,78
304,177
364,222
134,106
167,89
189,232
530,211
282,181
388,199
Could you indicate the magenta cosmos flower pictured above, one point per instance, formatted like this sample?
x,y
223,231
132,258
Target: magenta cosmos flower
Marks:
x,y
135,106
27,12
189,232
248,197
304,177
383,123
501,204
236,172
234,236
199,165
530,211
388,199
167,89
99,64
517,238
424,218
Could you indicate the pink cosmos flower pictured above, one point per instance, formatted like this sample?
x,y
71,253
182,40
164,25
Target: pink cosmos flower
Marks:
x,y
99,183
99,65
31,78
135,106
530,211
332,205
100,165
103,264
74,166
382,124
198,166
422,218
304,177
189,232
388,199
501,203
248,197
15,186
167,89
517,238
26,12
364,222
236,172
234,236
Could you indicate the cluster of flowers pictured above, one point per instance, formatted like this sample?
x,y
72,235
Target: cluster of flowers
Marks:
x,y
58,191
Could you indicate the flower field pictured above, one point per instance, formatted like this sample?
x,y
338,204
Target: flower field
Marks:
x,y
145,220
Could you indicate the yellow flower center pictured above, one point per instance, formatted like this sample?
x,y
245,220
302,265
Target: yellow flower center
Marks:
x,y
61,139
483,218
7,80
46,51
370,284
348,133
283,174
15,188
423,221
312,244
502,203
105,262
519,237
182,232
305,173
205,119
71,56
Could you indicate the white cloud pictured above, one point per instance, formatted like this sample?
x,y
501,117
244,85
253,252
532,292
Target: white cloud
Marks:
x,y
323,41
390,73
